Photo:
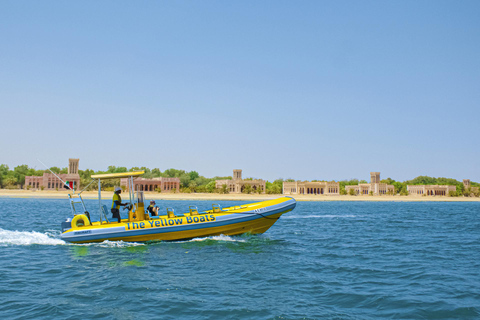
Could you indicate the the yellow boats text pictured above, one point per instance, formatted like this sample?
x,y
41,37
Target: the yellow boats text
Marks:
x,y
169,222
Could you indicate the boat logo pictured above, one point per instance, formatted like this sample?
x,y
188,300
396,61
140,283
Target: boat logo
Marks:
x,y
169,222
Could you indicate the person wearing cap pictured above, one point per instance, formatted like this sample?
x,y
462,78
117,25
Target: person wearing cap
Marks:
x,y
116,203
152,209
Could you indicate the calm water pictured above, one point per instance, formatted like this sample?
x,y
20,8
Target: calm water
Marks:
x,y
324,260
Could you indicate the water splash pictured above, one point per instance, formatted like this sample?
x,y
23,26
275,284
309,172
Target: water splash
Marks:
x,y
112,244
218,238
26,238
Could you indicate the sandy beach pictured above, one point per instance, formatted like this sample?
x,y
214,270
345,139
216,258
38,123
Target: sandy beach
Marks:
x,y
231,196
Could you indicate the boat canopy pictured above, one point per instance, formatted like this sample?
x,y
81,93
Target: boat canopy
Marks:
x,y
117,175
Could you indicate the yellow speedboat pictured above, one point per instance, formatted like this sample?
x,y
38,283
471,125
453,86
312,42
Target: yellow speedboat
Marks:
x,y
139,226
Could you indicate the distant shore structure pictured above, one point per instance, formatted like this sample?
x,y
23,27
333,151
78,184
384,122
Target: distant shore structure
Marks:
x,y
237,184
49,182
438,190
431,190
312,187
161,184
468,186
375,186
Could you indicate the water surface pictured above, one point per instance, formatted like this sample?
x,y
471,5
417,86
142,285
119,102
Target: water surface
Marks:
x,y
324,260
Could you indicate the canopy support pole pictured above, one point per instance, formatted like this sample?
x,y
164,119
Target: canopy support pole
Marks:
x,y
100,200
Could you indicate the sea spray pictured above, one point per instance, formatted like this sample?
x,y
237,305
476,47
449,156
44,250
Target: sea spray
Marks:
x,y
25,238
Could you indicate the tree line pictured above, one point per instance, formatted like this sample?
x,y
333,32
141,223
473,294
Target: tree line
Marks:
x,y
192,181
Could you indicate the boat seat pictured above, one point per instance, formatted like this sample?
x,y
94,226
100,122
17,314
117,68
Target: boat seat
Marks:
x,y
170,213
216,208
193,210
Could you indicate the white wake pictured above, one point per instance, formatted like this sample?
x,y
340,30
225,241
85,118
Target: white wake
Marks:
x,y
26,238
219,238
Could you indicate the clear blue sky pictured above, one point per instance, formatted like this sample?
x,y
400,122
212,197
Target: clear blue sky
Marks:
x,y
290,89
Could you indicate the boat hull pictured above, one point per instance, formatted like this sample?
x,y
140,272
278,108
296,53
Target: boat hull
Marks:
x,y
252,218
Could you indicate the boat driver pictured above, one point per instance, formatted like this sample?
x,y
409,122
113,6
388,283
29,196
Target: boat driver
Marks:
x,y
152,209
116,203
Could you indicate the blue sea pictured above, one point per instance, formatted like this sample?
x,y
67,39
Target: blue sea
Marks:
x,y
324,260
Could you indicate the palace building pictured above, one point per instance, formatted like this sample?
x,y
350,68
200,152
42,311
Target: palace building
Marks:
x,y
430,190
311,187
375,186
50,182
165,185
237,184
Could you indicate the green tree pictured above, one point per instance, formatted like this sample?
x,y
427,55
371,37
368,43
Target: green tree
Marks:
x,y
351,192
113,169
3,174
193,175
20,172
247,189
224,189
275,187
460,189
210,187
387,181
185,180
10,181
399,186
55,169
156,173
192,186
173,173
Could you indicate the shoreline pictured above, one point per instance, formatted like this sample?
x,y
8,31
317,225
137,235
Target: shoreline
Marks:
x,y
4,193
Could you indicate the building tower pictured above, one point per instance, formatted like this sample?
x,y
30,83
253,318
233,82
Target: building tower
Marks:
x,y
73,166
237,174
466,183
374,177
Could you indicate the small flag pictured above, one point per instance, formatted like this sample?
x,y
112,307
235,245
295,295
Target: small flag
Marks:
x,y
68,185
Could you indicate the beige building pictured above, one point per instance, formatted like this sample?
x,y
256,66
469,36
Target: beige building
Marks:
x,y
375,186
467,185
237,184
312,187
430,190
50,182
164,184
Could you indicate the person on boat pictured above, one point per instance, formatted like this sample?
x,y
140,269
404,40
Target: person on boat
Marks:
x,y
116,203
152,209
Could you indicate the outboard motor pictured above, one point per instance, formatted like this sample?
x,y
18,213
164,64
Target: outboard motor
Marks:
x,y
66,225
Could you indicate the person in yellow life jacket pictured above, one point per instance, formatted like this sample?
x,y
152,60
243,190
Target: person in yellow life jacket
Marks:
x,y
152,209
116,203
